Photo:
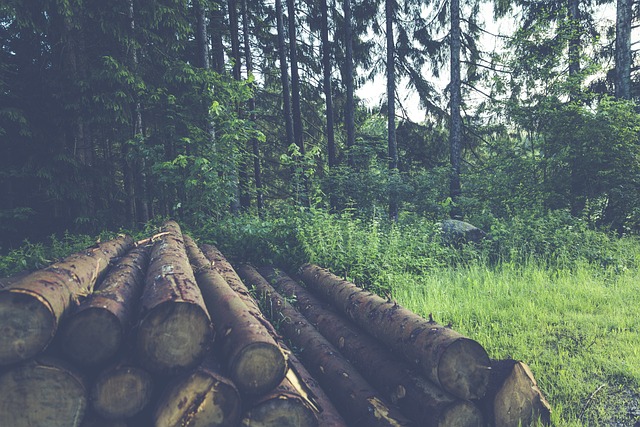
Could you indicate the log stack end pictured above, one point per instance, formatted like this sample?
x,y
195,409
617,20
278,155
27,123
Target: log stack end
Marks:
x,y
464,369
258,368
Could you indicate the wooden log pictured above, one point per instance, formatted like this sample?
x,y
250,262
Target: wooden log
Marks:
x,y
42,392
254,361
95,331
454,362
121,391
328,415
31,308
513,398
418,398
203,397
285,406
357,401
175,331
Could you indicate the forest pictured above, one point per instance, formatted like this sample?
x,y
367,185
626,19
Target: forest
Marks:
x,y
343,133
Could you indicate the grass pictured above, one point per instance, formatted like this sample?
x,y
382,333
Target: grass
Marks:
x,y
577,329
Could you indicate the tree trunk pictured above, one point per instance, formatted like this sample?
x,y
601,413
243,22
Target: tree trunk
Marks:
x,y
284,75
237,176
31,308
391,112
121,391
455,133
457,364
286,405
349,109
416,397
254,361
42,392
326,78
175,329
513,398
358,402
202,397
217,17
202,41
328,415
253,142
96,330
623,49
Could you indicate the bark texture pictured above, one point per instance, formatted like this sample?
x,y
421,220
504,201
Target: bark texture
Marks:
x,y
357,401
418,398
457,364
121,391
95,331
175,330
203,397
31,308
327,413
255,362
42,392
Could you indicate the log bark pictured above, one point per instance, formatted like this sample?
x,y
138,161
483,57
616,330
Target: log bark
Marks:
x,y
457,364
417,398
286,405
42,392
328,415
199,398
31,308
121,391
175,331
513,398
357,401
95,331
254,361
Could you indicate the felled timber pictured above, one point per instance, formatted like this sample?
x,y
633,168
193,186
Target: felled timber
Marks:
x,y
203,397
513,398
454,362
121,391
418,398
254,361
328,415
356,399
42,392
32,307
175,330
286,405
95,331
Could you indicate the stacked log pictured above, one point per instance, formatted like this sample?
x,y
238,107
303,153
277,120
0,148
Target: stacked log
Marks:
x,y
163,333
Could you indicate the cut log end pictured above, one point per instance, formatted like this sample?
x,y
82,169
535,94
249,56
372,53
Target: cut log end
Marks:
x,y
258,368
464,369
41,393
27,325
461,414
199,399
519,401
173,336
281,412
91,337
122,392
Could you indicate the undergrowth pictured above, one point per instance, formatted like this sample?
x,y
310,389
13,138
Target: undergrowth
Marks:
x,y
547,290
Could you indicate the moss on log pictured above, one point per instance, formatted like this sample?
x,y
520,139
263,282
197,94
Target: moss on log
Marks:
x,y
418,398
175,330
95,331
356,399
254,361
452,361
42,392
32,307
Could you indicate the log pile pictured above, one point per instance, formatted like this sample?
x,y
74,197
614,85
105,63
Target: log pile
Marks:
x,y
165,333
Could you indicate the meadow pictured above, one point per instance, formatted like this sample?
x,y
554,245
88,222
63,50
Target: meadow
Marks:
x,y
549,291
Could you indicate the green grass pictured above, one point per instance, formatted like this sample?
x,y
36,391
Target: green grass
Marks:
x,y
577,329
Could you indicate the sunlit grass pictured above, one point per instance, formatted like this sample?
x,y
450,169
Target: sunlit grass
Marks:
x,y
578,329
